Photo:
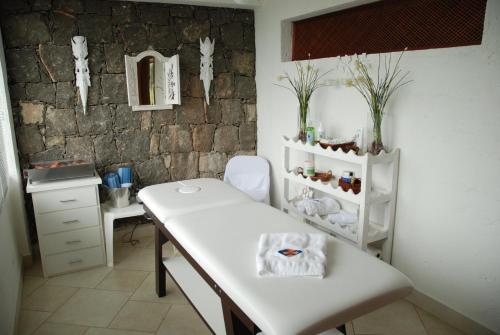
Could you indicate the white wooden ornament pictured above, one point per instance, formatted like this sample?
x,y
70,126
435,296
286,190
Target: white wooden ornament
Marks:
x,y
206,65
172,83
80,53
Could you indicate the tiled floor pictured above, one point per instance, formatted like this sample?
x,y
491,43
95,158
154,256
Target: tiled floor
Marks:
x,y
122,301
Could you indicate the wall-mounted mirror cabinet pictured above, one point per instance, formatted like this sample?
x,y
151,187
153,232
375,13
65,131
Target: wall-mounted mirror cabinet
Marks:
x,y
153,81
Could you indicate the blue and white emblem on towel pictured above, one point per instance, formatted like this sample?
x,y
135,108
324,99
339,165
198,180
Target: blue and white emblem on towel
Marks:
x,y
289,252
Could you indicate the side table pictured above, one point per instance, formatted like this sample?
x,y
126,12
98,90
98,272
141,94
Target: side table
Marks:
x,y
109,215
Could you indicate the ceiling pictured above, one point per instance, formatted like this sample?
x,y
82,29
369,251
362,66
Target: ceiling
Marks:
x,y
249,4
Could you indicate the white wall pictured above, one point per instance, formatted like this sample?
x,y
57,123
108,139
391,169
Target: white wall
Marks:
x,y
11,265
447,124
13,225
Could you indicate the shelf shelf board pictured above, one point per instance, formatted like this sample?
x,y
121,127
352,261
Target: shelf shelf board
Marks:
x,y
324,187
350,157
375,197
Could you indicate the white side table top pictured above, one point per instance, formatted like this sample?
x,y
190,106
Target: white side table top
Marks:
x,y
134,209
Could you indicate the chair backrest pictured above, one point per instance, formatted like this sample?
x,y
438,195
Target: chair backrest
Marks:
x,y
249,174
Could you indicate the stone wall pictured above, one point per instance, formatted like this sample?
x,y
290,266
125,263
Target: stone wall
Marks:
x,y
182,143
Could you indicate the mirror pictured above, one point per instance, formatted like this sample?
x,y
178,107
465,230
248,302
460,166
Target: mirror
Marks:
x,y
153,81
146,80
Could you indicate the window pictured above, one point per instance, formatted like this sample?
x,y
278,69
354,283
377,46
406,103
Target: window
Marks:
x,y
390,25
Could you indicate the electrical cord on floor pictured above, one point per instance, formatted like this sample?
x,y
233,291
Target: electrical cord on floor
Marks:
x,y
129,237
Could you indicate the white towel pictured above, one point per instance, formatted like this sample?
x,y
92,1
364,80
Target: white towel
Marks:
x,y
321,206
343,218
307,255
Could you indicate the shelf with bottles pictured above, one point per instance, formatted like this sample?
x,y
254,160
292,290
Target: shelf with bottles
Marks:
x,y
378,175
376,196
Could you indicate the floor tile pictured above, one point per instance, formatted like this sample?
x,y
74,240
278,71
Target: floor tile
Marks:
x,y
399,318
48,298
349,328
147,292
121,251
139,259
34,270
108,331
91,307
435,326
139,315
123,280
182,320
29,321
49,328
30,284
86,278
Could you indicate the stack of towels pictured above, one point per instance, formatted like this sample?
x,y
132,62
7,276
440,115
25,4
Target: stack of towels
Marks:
x,y
321,206
292,255
343,218
327,207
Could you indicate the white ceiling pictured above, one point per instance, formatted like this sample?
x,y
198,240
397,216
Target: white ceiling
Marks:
x,y
250,4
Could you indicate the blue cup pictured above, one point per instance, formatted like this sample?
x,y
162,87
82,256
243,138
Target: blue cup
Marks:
x,y
112,180
125,174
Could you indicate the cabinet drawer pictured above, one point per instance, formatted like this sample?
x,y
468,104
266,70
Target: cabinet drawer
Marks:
x,y
71,240
67,220
73,260
69,198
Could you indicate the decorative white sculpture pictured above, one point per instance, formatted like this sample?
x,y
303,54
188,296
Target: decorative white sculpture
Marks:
x,y
79,47
173,81
206,65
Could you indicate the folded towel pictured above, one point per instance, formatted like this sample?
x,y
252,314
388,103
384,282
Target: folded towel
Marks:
x,y
343,218
291,255
322,206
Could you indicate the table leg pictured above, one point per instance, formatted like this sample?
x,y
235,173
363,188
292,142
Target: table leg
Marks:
x,y
108,236
160,271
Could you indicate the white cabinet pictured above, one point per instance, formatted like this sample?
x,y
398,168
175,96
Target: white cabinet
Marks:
x,y
371,230
68,222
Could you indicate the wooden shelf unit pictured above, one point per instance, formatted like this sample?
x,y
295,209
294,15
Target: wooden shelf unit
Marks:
x,y
366,231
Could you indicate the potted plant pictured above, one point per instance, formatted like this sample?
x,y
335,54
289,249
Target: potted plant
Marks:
x,y
377,90
303,86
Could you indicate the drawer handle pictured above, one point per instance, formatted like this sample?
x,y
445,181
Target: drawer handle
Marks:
x,y
76,260
70,221
73,241
68,200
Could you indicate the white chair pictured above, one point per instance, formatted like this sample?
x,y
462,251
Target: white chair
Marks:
x,y
249,174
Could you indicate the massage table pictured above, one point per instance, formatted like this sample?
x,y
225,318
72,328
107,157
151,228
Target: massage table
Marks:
x,y
217,230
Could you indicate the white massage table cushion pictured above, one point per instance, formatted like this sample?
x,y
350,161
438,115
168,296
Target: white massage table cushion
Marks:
x,y
355,283
167,200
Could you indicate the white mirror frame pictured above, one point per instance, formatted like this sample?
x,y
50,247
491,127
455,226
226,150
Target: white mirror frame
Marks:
x,y
167,87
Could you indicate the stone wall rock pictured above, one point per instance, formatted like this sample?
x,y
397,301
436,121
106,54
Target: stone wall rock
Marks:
x,y
226,139
203,137
32,112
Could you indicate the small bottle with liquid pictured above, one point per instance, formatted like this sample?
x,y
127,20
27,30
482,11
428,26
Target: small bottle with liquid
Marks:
x,y
310,131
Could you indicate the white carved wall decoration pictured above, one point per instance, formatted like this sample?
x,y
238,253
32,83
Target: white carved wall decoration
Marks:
x,y
172,81
80,53
206,65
